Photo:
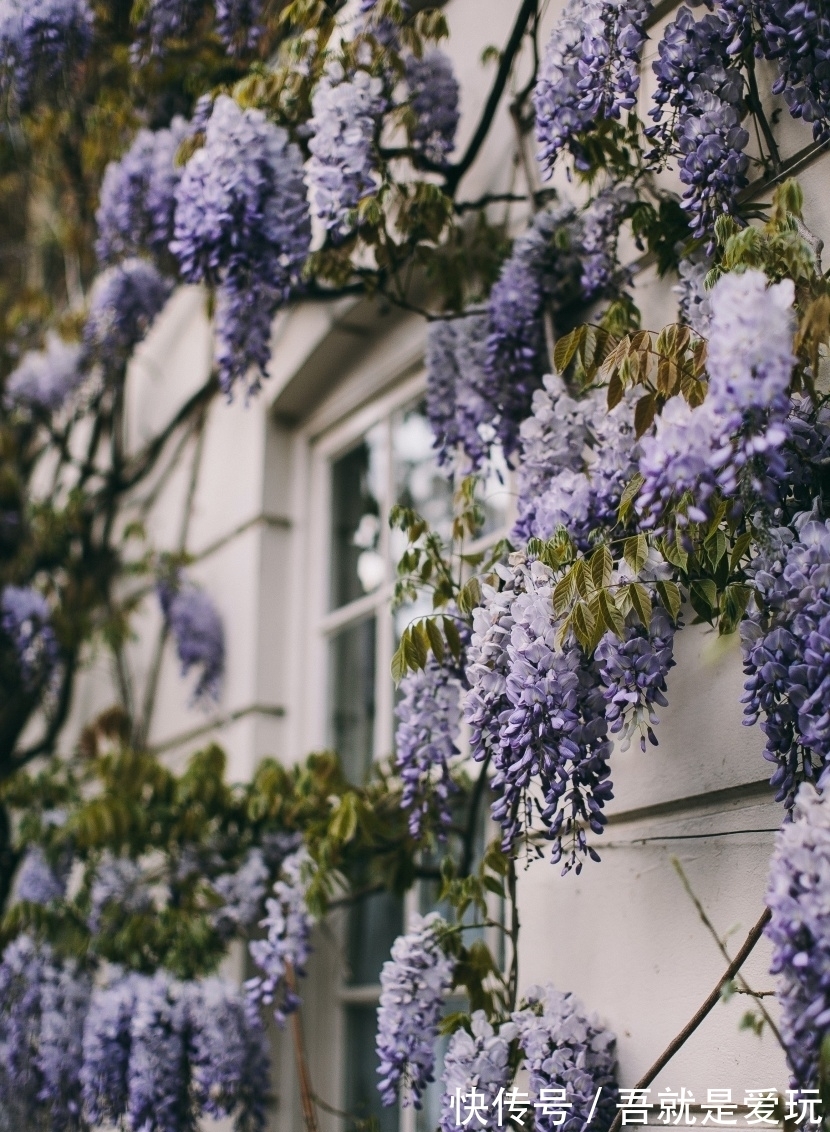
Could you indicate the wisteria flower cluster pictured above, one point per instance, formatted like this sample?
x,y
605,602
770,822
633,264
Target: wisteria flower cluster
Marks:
x,y
698,113
694,301
162,20
242,225
414,983
786,653
426,740
736,435
120,885
590,71
40,40
796,34
479,1060
45,379
576,459
457,406
242,894
284,952
197,630
123,304
566,1049
433,98
26,620
137,203
799,879
37,880
43,1003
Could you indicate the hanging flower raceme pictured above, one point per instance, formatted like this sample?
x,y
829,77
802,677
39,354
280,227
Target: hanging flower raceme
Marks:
x,y
567,1053
426,740
590,71
162,20
698,112
242,893
196,627
40,42
433,99
37,881
43,1002
457,406
45,379
239,24
549,723
542,273
477,1061
733,440
105,1077
283,954
601,222
242,225
346,115
414,983
137,202
123,304
694,302
799,880
795,34
26,620
118,888
576,458
786,649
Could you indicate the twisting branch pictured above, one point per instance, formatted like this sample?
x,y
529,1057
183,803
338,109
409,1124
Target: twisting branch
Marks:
x,y
528,9
701,1013
306,1091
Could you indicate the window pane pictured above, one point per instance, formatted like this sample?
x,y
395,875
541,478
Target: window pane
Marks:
x,y
418,481
374,925
351,713
357,482
362,1097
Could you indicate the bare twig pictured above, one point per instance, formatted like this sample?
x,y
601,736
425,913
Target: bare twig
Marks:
x,y
306,1091
701,1013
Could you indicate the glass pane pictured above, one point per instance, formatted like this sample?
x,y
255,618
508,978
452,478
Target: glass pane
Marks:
x,y
357,481
374,925
351,727
362,1097
418,481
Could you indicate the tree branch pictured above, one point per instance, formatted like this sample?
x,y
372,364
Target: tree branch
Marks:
x,y
700,1014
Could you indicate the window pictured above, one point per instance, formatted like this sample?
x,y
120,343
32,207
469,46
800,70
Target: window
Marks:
x,y
384,456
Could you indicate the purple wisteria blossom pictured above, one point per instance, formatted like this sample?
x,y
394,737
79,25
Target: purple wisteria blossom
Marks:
x,y
227,1054
242,893
242,225
481,1061
539,710
40,41
25,618
414,983
601,223
45,379
542,272
694,301
795,33
433,98
284,952
565,1049
786,651
43,1002
698,112
137,202
162,20
346,115
105,1076
37,880
196,627
733,440
239,24
590,72
799,879
576,458
457,407
157,1079
123,304
120,885
426,740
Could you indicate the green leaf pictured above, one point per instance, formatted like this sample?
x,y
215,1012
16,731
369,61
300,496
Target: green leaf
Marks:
x,y
742,543
601,566
611,616
469,596
435,640
453,637
583,625
563,593
703,595
414,653
644,413
669,593
494,885
640,602
630,493
635,552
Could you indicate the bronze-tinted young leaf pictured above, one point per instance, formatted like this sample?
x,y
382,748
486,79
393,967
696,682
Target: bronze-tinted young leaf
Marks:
x,y
615,391
644,413
635,552
566,347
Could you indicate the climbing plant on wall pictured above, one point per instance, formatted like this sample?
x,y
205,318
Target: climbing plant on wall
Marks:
x,y
286,152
